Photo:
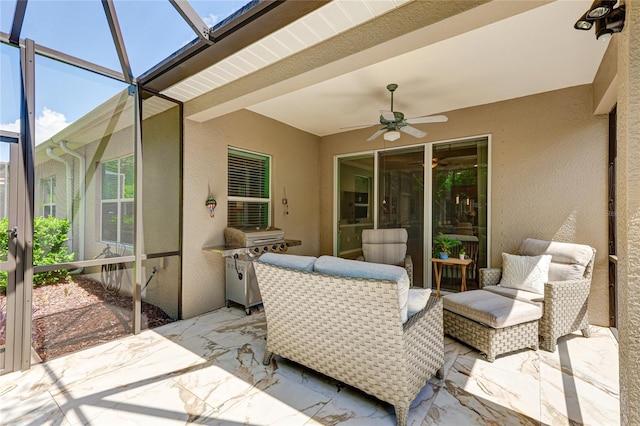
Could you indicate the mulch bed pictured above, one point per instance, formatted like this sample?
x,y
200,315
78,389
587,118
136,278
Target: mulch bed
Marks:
x,y
72,315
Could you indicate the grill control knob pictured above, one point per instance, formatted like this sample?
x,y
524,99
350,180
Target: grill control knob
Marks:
x,y
256,249
274,247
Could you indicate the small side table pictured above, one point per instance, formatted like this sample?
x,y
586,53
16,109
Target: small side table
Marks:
x,y
439,263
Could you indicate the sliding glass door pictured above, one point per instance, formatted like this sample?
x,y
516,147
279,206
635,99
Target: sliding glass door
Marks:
x,y
460,204
392,197
402,188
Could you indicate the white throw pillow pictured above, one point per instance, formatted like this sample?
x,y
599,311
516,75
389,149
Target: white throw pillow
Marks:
x,y
527,273
418,298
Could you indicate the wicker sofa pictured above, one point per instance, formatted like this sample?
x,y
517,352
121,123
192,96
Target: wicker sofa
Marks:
x,y
351,328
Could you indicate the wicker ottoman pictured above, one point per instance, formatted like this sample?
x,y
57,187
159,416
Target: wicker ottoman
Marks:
x,y
491,323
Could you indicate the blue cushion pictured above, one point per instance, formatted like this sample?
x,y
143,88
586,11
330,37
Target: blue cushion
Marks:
x,y
291,261
352,268
355,269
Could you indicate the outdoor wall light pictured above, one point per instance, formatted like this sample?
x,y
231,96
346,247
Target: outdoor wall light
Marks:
x,y
604,17
392,135
583,23
600,8
612,23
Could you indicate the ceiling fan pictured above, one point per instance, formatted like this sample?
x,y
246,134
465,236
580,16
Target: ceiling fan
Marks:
x,y
394,122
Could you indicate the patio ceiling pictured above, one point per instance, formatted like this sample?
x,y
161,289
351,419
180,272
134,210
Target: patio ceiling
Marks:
x,y
456,55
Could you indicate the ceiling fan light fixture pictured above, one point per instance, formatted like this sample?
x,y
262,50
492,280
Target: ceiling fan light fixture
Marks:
x,y
392,136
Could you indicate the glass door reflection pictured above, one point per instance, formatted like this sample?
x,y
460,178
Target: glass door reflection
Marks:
x,y
355,210
401,200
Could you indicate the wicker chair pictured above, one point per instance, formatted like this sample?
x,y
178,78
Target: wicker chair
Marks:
x,y
565,302
388,246
351,329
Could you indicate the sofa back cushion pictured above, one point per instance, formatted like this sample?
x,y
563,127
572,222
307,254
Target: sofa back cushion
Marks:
x,y
352,268
385,245
291,261
568,261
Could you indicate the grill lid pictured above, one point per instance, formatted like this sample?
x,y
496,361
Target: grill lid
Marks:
x,y
251,236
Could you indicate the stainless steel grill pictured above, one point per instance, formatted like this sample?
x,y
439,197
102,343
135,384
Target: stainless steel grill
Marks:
x,y
242,245
255,240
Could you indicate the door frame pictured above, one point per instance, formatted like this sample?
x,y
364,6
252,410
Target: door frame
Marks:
x,y
21,175
12,309
612,212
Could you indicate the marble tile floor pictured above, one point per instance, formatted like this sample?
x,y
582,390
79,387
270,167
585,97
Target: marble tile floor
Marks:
x,y
208,370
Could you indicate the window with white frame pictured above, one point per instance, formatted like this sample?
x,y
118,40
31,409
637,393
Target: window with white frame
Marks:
x,y
249,189
117,200
48,194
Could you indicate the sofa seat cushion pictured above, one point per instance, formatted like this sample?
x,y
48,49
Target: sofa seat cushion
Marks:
x,y
522,295
352,268
291,261
491,309
527,273
568,260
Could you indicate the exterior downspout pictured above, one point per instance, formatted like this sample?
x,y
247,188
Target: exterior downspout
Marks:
x,y
81,193
69,185
69,181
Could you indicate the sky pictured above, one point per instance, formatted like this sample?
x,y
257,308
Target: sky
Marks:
x,y
152,30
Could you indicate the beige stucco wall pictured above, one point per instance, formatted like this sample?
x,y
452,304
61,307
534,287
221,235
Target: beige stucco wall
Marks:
x,y
605,80
295,167
628,218
548,173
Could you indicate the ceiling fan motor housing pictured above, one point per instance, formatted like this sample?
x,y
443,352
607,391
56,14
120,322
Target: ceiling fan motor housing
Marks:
x,y
398,117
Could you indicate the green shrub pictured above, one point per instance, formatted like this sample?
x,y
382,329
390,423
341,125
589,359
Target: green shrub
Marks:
x,y
49,238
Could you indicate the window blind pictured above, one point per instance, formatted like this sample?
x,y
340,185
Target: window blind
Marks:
x,y
248,190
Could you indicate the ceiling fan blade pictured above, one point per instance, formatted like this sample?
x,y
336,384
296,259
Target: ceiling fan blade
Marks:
x,y
376,134
388,115
413,131
429,119
361,126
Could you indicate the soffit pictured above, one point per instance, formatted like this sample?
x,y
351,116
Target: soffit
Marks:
x,y
313,28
